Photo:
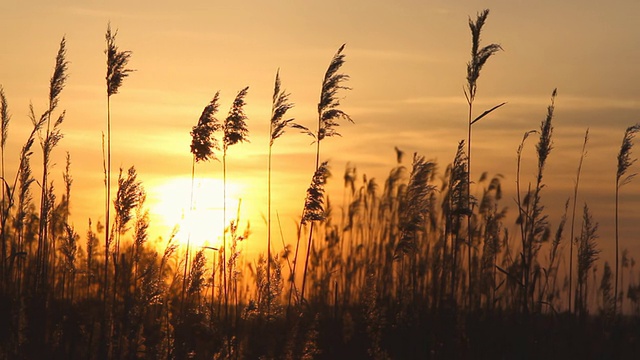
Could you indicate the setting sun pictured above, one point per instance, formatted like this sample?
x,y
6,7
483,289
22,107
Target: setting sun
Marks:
x,y
201,224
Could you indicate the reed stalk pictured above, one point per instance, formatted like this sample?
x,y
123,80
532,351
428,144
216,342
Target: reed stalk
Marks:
x,y
280,106
5,117
479,56
235,131
624,163
117,71
328,116
573,213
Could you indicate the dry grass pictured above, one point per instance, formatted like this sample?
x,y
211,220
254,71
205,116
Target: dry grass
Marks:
x,y
387,278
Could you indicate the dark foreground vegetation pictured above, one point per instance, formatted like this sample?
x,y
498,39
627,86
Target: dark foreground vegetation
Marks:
x,y
419,266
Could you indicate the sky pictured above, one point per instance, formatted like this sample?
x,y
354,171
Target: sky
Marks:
x,y
407,63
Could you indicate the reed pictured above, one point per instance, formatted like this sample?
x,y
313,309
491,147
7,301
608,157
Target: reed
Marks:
x,y
49,138
587,255
5,118
117,71
235,131
203,145
328,115
573,213
328,107
536,226
280,105
314,211
622,178
479,56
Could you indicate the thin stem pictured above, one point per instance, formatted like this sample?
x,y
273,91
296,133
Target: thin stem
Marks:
x,y
108,200
306,262
269,233
309,243
224,234
573,216
522,214
615,294
470,212
186,261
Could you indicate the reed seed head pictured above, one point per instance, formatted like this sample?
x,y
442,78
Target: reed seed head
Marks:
x,y
117,62
5,117
235,125
624,156
314,203
59,76
328,111
280,105
203,142
479,56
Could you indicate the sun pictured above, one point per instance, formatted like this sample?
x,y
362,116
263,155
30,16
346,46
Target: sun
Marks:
x,y
201,223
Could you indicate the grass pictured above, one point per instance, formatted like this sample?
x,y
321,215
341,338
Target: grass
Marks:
x,y
624,163
388,277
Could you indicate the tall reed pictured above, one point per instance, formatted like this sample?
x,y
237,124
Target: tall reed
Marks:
x,y
328,116
587,255
235,131
536,223
479,56
5,117
314,210
280,105
117,71
573,212
624,163
413,212
203,144
48,141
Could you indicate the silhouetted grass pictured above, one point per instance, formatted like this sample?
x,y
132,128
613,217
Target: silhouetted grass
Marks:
x,y
386,278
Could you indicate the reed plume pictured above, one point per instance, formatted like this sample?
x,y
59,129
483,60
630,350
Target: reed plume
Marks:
x,y
328,111
117,62
415,205
5,117
314,210
314,202
587,255
479,56
127,198
235,126
281,104
624,163
455,208
203,142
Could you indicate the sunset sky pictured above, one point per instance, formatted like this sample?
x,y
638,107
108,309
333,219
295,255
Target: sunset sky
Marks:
x,y
407,62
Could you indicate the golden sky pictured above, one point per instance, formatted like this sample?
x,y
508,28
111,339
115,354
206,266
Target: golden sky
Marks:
x,y
407,62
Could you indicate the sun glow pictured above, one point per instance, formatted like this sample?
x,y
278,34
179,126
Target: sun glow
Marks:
x,y
200,224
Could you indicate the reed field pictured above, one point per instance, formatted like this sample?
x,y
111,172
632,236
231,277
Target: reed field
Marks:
x,y
435,261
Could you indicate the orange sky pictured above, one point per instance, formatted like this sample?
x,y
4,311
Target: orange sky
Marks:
x,y
407,62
